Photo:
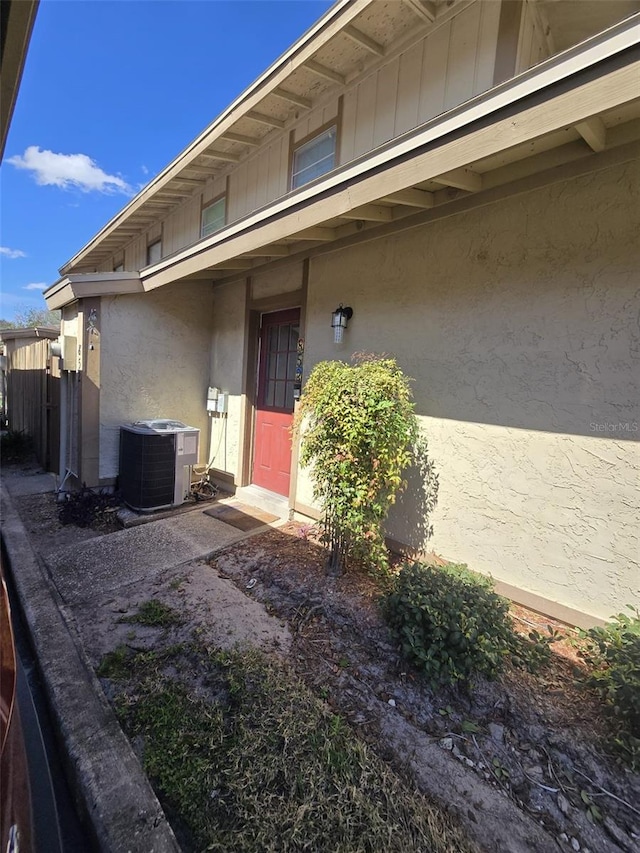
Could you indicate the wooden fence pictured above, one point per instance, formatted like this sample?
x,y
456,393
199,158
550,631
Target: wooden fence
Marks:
x,y
33,396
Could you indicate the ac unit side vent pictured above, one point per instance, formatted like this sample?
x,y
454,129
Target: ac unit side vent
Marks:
x,y
154,462
147,469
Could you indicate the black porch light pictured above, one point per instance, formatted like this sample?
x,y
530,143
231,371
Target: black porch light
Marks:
x,y
339,321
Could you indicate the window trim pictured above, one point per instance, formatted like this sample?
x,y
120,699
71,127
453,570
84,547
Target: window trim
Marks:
x,y
150,246
203,207
334,123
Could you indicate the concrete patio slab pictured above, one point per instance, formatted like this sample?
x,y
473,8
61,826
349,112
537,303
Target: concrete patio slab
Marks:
x,y
92,569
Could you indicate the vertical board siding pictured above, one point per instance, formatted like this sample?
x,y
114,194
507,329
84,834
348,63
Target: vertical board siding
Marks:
x,y
433,79
532,47
449,65
487,46
274,171
347,139
251,202
135,254
408,94
33,397
264,176
461,60
238,192
386,97
365,115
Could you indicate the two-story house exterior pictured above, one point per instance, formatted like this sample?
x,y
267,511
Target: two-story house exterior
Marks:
x,y
463,174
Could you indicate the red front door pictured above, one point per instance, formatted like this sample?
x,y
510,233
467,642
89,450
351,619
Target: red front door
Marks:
x,y
274,413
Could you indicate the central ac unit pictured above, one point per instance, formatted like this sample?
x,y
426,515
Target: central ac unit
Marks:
x,y
155,460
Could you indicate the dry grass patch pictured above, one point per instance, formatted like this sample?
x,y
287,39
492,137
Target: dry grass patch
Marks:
x,y
244,757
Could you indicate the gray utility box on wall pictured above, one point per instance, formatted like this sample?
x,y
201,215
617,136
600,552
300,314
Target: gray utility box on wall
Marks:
x,y
155,460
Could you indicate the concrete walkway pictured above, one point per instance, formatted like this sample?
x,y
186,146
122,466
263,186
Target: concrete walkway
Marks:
x,y
69,598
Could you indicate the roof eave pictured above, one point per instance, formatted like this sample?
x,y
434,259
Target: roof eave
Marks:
x,y
317,35
76,286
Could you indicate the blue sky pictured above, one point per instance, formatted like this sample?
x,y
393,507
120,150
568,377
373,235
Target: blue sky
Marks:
x,y
112,91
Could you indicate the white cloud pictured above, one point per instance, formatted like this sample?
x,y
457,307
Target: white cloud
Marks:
x,y
68,171
145,171
12,253
36,285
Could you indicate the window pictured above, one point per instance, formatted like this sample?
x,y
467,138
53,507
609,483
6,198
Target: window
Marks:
x,y
214,217
154,252
314,158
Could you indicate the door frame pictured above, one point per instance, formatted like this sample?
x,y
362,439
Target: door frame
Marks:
x,y
273,414
253,312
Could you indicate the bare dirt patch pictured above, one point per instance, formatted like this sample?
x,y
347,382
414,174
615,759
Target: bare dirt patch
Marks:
x,y
521,762
539,741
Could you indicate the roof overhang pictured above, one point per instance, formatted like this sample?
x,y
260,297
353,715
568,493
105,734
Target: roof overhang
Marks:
x,y
348,43
333,21
569,90
48,332
69,288
17,19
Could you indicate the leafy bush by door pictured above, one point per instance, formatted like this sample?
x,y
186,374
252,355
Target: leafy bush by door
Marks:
x,y
358,438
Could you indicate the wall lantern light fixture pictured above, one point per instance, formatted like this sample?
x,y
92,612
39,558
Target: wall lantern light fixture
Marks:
x,y
339,320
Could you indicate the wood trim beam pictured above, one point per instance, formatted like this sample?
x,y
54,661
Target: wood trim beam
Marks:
x,y
292,98
424,10
181,180
203,169
238,264
273,251
173,193
261,118
363,40
322,235
160,205
593,132
369,213
461,179
241,138
411,198
327,73
227,156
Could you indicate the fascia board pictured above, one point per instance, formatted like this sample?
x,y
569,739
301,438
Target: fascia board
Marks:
x,y
81,285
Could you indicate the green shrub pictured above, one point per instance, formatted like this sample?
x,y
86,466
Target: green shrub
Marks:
x,y
613,653
358,438
452,625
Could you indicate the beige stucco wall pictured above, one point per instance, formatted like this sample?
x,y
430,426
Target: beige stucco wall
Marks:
x,y
227,352
519,324
155,362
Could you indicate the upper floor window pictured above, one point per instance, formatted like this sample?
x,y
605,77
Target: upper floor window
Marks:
x,y
214,217
314,158
154,252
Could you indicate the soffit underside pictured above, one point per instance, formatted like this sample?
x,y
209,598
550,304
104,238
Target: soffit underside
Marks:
x,y
383,24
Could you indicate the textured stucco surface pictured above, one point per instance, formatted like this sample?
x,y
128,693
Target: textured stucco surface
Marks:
x,y
520,325
227,349
154,362
274,282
